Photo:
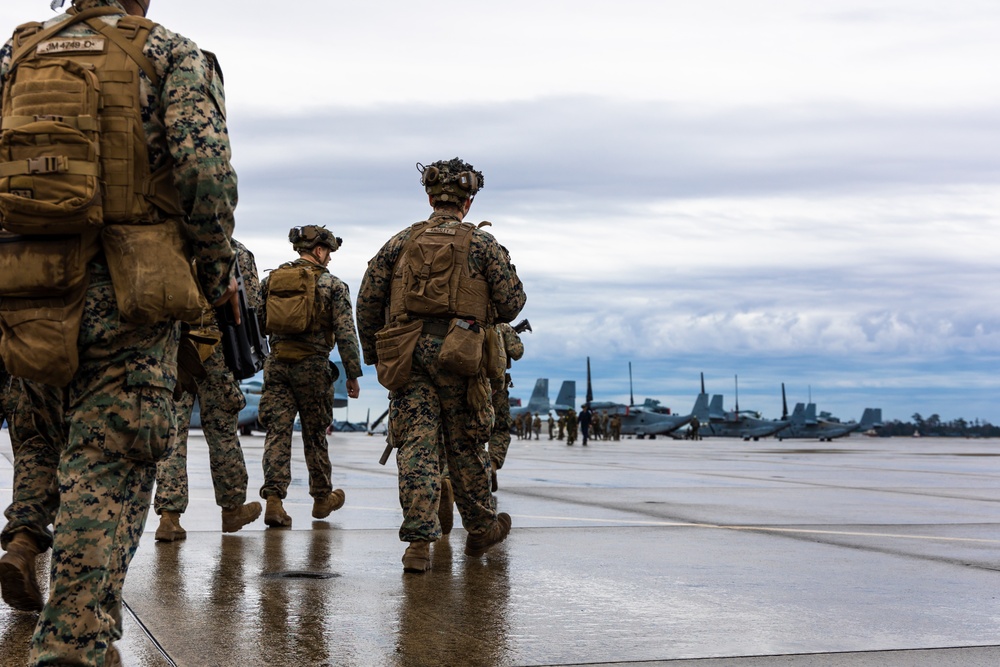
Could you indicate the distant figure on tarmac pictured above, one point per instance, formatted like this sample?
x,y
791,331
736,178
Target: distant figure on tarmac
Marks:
x,y
570,427
584,420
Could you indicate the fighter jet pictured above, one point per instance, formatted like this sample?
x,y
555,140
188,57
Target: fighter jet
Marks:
x,y
715,421
649,419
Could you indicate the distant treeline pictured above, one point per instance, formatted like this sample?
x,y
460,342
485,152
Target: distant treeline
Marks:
x,y
934,427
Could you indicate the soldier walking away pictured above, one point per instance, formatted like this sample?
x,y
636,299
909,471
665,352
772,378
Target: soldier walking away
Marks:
x,y
500,436
561,423
307,311
552,426
219,401
584,420
109,411
570,427
429,349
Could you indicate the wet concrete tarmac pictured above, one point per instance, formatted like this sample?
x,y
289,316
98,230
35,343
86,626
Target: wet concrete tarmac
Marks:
x,y
716,553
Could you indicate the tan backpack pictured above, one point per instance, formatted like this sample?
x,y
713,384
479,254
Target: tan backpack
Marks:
x,y
431,277
291,299
73,153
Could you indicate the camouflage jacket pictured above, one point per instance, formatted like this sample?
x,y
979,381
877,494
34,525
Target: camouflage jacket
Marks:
x,y
486,257
335,310
248,269
185,121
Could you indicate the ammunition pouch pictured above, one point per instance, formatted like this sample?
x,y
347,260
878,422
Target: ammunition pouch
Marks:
x,y
152,273
462,350
394,347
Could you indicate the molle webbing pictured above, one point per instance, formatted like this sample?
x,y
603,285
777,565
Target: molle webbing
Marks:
x,y
432,279
83,89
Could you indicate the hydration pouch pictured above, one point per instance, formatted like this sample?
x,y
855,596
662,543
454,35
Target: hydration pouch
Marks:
x,y
394,347
462,350
152,273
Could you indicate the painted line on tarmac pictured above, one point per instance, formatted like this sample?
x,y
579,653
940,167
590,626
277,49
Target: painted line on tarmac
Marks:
x,y
760,529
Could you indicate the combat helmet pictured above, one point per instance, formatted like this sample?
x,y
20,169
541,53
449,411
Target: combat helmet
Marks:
x,y
307,237
451,181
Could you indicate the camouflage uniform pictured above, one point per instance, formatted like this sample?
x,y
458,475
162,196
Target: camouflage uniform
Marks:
x,y
433,406
500,437
113,420
570,427
305,387
36,494
220,401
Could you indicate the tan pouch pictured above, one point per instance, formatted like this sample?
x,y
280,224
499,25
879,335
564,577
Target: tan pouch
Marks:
x,y
152,273
394,347
38,337
494,354
44,266
482,414
462,350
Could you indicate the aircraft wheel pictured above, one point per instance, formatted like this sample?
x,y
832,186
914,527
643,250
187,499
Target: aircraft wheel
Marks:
x,y
246,429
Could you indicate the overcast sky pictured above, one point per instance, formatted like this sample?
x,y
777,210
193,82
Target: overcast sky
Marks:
x,y
800,192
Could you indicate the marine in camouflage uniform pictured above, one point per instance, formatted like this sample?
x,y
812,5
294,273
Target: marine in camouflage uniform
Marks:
x,y
220,401
113,420
570,427
500,437
298,378
432,409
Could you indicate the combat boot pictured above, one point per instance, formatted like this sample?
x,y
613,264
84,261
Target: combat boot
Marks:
x,y
18,581
329,503
417,557
446,507
275,515
478,544
234,518
170,529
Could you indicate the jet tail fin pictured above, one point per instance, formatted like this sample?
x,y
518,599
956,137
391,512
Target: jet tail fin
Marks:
x,y
872,418
566,400
715,409
539,401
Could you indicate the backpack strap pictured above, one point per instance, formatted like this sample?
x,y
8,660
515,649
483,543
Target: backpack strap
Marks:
x,y
130,35
34,40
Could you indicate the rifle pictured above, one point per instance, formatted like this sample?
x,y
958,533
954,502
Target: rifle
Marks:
x,y
522,326
243,345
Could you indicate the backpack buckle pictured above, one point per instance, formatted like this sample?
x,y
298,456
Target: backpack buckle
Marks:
x,y
48,164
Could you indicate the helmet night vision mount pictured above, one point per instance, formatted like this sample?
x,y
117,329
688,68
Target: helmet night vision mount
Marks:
x,y
451,180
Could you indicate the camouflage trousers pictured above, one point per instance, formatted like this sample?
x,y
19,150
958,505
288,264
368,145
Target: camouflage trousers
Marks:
x,y
36,458
427,419
500,437
110,425
220,401
306,388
